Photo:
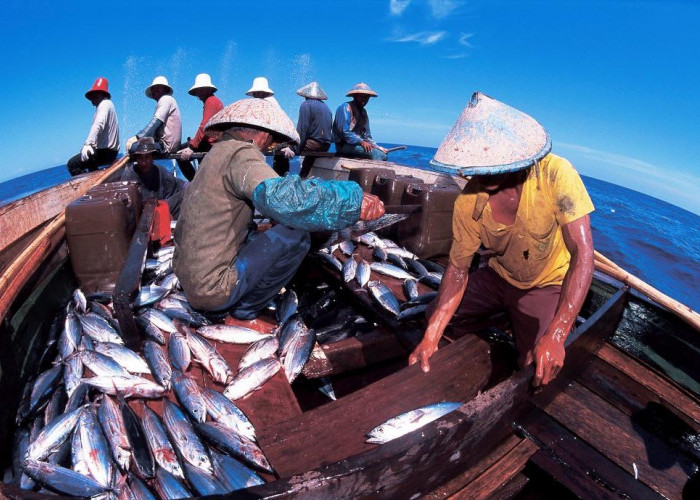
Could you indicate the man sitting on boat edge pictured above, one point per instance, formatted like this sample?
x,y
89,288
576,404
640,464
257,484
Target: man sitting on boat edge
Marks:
x,y
154,181
220,266
532,210
351,133
102,144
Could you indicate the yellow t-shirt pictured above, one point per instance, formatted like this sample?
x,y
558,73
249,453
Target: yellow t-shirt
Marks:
x,y
530,252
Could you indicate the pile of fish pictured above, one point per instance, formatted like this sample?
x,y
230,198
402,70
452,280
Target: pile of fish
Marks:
x,y
87,425
390,260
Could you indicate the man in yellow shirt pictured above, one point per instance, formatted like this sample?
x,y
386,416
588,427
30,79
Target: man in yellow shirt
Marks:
x,y
531,209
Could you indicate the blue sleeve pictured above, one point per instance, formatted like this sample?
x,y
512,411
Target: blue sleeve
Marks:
x,y
309,204
342,132
150,129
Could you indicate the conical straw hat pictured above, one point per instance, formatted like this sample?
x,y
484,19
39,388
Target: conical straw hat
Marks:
x,y
257,113
492,138
313,91
361,88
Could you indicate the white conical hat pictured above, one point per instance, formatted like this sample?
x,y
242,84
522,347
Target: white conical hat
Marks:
x,y
313,91
202,81
257,113
159,80
492,138
260,85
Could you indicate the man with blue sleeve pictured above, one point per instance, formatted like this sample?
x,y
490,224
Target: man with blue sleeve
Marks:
x,y
219,266
314,125
351,133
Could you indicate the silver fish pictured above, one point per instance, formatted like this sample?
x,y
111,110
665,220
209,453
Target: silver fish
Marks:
x,y
99,329
349,269
412,312
179,351
159,319
190,396
416,267
150,330
101,310
331,261
90,449
432,280
139,489
159,364
231,334
62,479
127,387
363,273
288,306
169,486
170,282
149,295
234,444
410,288
101,365
80,300
252,378
185,438
234,475
72,373
204,484
347,247
432,266
52,436
184,315
112,422
397,260
56,405
384,296
161,448
263,348
326,387
207,355
380,254
424,298
70,336
42,389
291,330
409,421
390,270
78,398
142,460
127,358
298,353
225,412
401,252
370,239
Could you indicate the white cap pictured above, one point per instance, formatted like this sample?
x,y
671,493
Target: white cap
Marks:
x,y
202,81
260,85
159,80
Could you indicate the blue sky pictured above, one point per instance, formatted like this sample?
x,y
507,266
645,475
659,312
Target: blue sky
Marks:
x,y
614,82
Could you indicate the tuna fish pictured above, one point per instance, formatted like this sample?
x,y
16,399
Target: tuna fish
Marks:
x,y
99,329
190,396
127,387
409,422
384,297
179,351
159,444
252,378
225,412
207,355
231,334
159,364
234,444
127,358
53,435
233,474
264,348
349,269
185,438
112,421
363,273
62,479
390,270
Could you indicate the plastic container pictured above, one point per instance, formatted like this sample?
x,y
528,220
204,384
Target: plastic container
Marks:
x,y
123,190
365,177
98,232
428,233
390,188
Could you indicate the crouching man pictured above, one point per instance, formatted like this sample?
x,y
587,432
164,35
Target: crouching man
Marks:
x,y
219,266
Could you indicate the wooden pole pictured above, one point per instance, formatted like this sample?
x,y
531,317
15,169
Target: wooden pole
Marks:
x,y
23,266
684,312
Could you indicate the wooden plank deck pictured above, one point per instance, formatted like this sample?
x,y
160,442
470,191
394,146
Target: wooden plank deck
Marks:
x,y
337,430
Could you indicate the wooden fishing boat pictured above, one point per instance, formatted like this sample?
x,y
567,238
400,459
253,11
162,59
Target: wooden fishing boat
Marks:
x,y
622,418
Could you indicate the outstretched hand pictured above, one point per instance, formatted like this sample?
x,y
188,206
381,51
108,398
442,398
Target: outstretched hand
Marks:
x,y
372,207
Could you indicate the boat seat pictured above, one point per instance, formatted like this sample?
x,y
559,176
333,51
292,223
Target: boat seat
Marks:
x,y
337,430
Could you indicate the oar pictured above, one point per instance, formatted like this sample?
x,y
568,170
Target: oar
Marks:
x,y
602,263
397,148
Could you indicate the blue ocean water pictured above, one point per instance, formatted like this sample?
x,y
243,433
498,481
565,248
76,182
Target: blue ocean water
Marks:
x,y
654,240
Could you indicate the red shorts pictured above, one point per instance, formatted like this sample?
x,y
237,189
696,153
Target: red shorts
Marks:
x,y
530,311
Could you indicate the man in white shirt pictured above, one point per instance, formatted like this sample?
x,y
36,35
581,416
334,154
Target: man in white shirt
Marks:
x,y
102,144
166,125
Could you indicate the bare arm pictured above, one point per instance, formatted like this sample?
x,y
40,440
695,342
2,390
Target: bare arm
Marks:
x,y
452,288
548,354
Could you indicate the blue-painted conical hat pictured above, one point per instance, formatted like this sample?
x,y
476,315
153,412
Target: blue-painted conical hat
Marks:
x,y
492,138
